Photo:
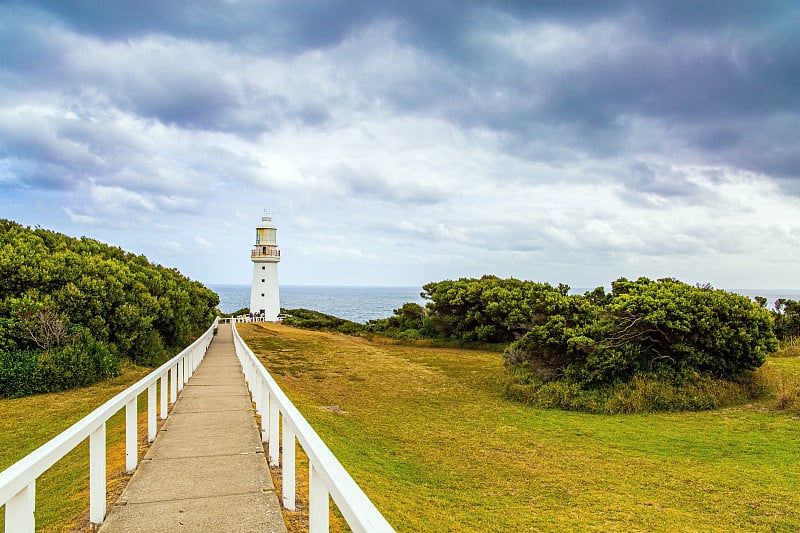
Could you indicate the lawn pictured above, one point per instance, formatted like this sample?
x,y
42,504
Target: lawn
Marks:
x,y
428,435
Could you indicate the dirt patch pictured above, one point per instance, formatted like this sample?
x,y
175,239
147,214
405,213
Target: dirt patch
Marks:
x,y
334,409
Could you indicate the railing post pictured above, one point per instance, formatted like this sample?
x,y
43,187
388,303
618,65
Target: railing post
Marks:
x,y
164,389
97,475
288,470
318,509
181,374
255,393
151,412
131,436
274,434
20,510
265,415
173,384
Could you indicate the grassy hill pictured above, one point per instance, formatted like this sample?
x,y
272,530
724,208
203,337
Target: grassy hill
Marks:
x,y
432,440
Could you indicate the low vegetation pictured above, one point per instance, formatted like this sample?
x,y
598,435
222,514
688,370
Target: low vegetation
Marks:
x,y
306,318
71,310
437,445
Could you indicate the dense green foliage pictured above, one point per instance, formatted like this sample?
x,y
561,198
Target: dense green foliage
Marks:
x,y
408,322
71,308
662,327
787,319
491,309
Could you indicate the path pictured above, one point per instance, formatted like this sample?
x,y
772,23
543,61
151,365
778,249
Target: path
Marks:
x,y
206,469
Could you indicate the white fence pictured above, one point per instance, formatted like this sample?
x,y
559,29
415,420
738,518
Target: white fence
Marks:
x,y
326,475
18,482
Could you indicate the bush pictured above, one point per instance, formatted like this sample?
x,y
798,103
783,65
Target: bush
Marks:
x,y
650,327
491,309
787,318
410,317
16,373
81,363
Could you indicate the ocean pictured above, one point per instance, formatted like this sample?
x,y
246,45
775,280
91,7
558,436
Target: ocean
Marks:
x,y
361,304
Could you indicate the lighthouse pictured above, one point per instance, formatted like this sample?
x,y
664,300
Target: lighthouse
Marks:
x,y
264,298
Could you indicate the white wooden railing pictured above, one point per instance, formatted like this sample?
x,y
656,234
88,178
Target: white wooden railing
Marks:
x,y
326,475
18,482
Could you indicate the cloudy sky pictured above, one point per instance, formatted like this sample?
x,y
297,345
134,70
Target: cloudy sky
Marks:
x,y
403,142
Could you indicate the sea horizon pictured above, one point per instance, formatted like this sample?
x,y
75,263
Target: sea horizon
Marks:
x,y
362,303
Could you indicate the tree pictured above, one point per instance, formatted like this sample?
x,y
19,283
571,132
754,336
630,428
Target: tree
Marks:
x,y
787,318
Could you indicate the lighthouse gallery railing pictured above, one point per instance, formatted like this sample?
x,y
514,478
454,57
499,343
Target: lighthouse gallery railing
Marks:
x,y
18,482
326,475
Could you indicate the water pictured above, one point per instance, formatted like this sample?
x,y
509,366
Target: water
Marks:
x,y
361,304
358,304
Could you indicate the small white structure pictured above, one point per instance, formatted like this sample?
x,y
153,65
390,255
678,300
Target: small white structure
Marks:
x,y
264,297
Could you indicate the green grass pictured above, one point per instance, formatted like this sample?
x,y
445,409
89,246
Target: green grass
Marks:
x,y
431,439
62,500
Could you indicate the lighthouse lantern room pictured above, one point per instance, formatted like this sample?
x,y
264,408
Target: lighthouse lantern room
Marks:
x,y
264,297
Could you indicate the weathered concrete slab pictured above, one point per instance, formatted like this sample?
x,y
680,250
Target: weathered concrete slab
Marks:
x,y
221,390
227,432
216,376
212,423
198,477
238,513
211,402
206,470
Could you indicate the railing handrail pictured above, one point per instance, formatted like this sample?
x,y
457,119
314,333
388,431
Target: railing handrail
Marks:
x,y
271,251
25,471
358,510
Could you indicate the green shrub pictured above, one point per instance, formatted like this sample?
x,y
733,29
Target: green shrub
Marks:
x,y
16,372
30,372
646,326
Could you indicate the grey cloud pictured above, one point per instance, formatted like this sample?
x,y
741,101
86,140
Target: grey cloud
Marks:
x,y
360,183
728,67
39,157
284,26
190,100
657,180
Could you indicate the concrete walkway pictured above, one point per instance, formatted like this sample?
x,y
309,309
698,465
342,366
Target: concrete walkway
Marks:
x,y
206,469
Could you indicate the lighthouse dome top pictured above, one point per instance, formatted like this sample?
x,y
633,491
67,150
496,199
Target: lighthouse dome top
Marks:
x,y
266,223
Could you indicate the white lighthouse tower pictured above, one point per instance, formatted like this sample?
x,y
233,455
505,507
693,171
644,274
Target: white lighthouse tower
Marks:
x,y
264,297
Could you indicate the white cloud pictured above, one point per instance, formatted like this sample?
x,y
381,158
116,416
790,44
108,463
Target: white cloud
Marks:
x,y
205,243
78,218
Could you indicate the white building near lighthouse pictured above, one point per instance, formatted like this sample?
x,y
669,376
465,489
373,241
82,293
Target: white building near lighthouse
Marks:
x,y
264,297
